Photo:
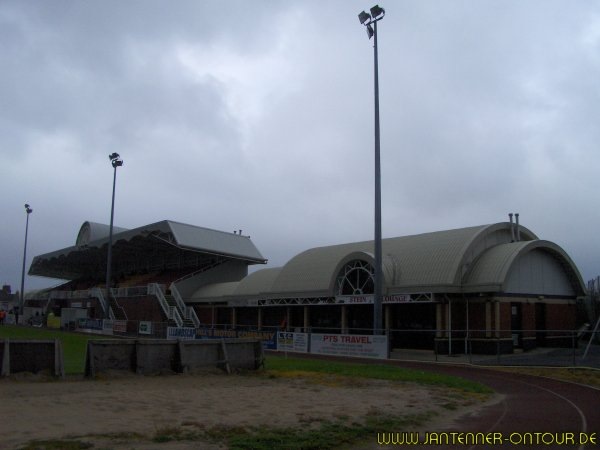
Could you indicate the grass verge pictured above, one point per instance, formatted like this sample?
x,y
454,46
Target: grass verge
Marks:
x,y
279,366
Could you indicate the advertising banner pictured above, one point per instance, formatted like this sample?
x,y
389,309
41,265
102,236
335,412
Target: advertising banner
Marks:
x,y
268,338
292,342
145,327
368,299
183,333
362,346
120,326
90,325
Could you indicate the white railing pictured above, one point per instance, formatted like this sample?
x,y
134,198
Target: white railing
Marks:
x,y
97,292
188,311
170,311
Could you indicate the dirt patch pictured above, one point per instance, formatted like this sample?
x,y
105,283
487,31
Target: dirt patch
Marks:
x,y
127,412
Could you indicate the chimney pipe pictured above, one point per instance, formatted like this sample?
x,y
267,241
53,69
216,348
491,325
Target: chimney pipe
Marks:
x,y
240,233
512,229
517,226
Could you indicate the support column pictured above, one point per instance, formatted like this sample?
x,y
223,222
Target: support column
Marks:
x,y
497,317
288,316
260,318
306,318
488,319
439,324
212,316
233,318
344,319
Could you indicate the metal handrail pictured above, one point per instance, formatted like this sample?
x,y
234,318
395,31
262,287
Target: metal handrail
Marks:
x,y
170,311
97,292
188,311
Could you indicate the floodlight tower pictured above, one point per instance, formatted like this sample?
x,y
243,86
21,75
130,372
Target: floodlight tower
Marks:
x,y
370,22
28,211
116,161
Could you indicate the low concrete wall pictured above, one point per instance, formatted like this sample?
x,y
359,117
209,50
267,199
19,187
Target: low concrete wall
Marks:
x,y
105,355
31,356
146,356
156,357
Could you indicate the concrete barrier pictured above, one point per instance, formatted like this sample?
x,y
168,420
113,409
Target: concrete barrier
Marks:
x,y
149,356
31,356
105,355
157,357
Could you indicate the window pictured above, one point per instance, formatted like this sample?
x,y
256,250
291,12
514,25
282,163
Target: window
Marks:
x,y
356,278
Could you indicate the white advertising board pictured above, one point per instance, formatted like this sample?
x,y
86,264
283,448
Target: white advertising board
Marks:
x,y
145,327
292,342
183,333
362,346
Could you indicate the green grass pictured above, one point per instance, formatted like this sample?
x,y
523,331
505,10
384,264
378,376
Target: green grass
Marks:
x,y
282,365
73,344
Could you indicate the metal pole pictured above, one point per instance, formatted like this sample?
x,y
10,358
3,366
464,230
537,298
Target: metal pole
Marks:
x,y
110,232
22,302
377,302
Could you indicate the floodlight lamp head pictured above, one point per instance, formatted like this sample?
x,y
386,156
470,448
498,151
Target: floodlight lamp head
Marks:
x,y
117,163
113,156
370,31
363,17
28,210
376,11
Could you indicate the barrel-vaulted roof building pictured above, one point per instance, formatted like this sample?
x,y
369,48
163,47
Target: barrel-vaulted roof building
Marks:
x,y
493,281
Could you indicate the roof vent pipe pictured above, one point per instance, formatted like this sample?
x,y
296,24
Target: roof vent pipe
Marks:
x,y
517,226
512,229
240,233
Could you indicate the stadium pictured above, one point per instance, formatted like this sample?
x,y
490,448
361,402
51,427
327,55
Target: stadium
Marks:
x,y
499,285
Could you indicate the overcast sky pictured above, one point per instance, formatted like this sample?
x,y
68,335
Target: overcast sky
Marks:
x,y
258,115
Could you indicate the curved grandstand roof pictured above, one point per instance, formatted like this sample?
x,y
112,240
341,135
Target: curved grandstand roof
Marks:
x,y
93,231
429,261
451,261
161,243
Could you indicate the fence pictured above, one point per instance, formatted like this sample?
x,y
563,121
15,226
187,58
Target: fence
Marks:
x,y
563,348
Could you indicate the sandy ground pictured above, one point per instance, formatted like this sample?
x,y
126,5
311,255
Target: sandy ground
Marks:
x,y
34,409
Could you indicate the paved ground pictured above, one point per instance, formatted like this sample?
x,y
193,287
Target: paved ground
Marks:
x,y
530,405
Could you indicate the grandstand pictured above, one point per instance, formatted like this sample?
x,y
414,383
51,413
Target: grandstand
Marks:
x,y
146,263
497,285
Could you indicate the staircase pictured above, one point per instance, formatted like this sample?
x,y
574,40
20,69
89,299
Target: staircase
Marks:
x,y
172,302
117,309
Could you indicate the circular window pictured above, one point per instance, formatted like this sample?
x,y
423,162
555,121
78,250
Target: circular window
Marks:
x,y
356,278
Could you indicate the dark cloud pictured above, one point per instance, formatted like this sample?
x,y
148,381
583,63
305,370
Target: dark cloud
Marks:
x,y
259,115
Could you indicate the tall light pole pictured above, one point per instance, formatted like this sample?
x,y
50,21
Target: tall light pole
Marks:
x,y
28,211
370,21
116,161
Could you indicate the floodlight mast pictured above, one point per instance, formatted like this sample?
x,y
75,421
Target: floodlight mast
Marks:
x,y
116,161
370,22
28,211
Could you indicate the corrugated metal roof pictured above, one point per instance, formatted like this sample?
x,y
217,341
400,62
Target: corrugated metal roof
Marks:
x,y
257,282
183,236
214,241
428,260
491,270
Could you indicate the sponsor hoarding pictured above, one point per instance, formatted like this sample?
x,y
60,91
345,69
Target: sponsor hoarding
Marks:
x,y
363,346
183,333
292,342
